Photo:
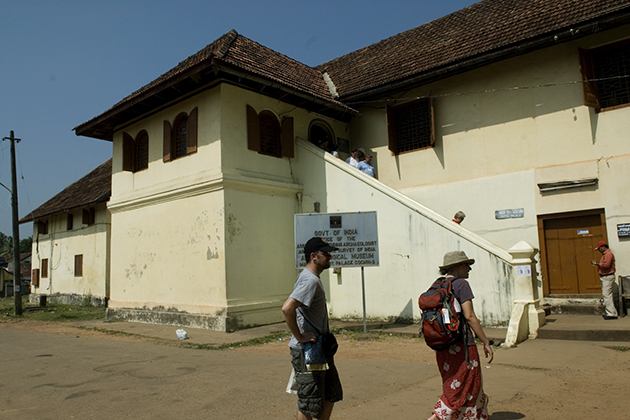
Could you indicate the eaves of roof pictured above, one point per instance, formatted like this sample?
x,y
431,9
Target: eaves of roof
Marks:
x,y
477,35
93,188
232,59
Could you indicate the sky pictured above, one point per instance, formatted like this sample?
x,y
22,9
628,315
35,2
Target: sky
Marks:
x,y
64,62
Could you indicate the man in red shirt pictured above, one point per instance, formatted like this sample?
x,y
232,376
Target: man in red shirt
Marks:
x,y
606,271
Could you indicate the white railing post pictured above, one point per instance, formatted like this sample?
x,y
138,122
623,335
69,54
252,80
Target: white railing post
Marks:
x,y
527,316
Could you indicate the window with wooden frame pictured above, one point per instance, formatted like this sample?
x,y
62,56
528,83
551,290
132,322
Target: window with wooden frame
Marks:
x,y
136,152
89,216
180,138
411,126
78,266
267,136
42,227
605,75
44,268
35,277
70,222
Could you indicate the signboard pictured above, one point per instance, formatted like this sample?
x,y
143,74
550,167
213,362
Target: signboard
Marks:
x,y
523,270
623,230
355,234
509,214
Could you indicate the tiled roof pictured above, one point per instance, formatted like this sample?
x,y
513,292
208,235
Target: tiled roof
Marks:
x,y
245,54
95,187
473,31
476,35
231,53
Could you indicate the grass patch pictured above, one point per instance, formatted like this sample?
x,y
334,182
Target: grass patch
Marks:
x,y
621,349
49,313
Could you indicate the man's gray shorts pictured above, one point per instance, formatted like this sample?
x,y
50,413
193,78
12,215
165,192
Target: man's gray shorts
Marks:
x,y
315,387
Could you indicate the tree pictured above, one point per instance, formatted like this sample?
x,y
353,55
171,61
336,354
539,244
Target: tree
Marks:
x,y
26,245
6,243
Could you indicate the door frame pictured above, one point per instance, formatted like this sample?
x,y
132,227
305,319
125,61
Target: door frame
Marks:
x,y
543,245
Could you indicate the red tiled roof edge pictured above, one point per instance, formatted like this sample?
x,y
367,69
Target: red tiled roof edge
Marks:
x,y
473,31
93,188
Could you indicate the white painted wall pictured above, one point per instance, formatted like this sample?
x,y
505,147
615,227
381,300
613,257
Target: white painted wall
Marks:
x,y
412,242
496,142
60,246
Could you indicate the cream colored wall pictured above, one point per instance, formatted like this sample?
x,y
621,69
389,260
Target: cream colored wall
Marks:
x,y
168,243
170,255
259,259
495,143
412,242
163,177
60,246
261,197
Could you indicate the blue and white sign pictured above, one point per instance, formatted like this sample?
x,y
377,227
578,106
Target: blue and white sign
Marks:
x,y
355,234
523,270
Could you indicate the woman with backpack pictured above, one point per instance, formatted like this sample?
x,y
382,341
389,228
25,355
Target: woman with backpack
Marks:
x,y
463,396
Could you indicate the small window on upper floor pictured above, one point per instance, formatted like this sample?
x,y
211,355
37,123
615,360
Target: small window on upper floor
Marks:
x,y
321,135
180,138
267,136
89,216
42,227
605,75
136,152
70,222
411,126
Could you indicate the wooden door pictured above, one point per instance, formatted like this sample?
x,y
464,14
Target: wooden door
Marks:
x,y
569,247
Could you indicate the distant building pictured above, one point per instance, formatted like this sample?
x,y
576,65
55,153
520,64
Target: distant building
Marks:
x,y
71,241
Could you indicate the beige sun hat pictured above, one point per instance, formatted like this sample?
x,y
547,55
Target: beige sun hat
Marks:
x,y
456,257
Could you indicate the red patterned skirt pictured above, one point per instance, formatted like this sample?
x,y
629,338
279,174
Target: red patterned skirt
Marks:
x,y
463,397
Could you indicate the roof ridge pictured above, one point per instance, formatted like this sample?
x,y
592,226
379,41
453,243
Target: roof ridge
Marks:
x,y
225,42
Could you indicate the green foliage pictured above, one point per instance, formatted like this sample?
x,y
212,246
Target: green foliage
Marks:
x,y
49,313
26,245
6,244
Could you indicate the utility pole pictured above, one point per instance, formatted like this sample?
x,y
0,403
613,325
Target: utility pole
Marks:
x,y
17,275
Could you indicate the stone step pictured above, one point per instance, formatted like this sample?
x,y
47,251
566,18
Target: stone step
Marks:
x,y
585,328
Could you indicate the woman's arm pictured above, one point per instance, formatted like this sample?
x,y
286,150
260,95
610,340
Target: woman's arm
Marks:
x,y
475,325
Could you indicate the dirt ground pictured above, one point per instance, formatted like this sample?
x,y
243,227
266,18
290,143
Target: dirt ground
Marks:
x,y
393,377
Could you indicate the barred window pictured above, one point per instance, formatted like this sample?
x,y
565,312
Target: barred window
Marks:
x,y
180,139
410,126
606,75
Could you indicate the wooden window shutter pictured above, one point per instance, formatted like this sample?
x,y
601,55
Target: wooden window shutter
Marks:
x,y
391,130
78,265
166,156
253,129
192,132
128,152
44,268
89,216
587,69
287,137
432,116
35,277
